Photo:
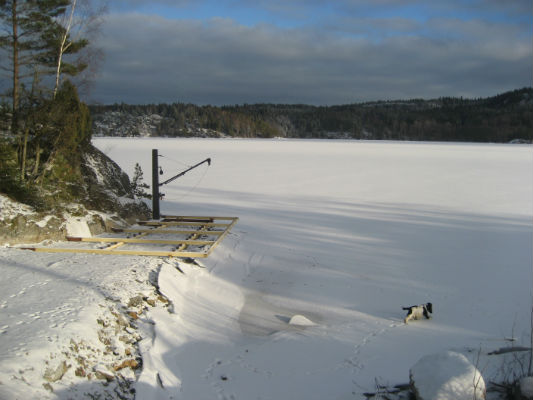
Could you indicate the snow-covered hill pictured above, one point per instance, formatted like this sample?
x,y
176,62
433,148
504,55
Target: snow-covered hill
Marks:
x,y
124,124
339,234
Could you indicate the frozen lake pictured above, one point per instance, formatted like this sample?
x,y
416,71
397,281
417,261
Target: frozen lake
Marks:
x,y
342,233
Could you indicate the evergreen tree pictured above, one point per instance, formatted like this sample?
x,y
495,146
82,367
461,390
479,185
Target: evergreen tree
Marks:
x,y
47,126
137,185
26,24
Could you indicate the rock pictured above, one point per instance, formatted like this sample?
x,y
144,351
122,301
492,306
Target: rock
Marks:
x,y
109,187
151,302
446,376
48,387
135,301
102,373
55,374
30,228
121,320
131,363
97,225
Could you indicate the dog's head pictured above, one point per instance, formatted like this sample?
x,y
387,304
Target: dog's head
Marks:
x,y
429,307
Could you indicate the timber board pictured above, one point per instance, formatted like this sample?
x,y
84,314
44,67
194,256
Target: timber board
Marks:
x,y
140,236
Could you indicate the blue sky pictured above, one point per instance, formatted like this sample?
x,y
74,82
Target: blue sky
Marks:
x,y
312,51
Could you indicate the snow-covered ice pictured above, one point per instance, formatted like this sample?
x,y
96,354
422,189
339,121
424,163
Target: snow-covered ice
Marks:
x,y
337,234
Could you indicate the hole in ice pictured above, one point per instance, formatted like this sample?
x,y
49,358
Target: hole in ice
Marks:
x,y
283,318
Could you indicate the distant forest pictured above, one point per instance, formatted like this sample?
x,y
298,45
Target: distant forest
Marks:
x,y
503,118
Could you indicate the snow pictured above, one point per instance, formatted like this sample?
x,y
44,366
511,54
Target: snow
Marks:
x,y
301,320
526,387
10,209
447,376
341,234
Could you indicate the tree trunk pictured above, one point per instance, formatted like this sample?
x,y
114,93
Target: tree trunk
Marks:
x,y
24,153
64,46
16,72
37,160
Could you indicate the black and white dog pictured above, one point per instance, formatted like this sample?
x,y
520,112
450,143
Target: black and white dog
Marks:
x,y
417,312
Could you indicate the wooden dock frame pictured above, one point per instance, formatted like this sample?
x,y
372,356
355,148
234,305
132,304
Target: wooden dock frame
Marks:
x,y
158,227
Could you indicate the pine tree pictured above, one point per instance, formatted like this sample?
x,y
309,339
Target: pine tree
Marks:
x,y
26,24
137,185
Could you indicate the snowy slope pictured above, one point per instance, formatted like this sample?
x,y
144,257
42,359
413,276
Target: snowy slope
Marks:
x,y
341,234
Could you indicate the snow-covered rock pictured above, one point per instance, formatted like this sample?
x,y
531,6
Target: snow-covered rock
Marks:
x,y
106,199
446,376
300,320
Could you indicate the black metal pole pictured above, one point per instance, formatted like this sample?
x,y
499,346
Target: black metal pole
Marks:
x,y
155,185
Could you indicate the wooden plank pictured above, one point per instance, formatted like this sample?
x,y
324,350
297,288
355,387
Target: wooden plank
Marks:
x,y
210,250
140,241
194,236
190,254
209,224
187,219
159,228
170,232
191,217
114,246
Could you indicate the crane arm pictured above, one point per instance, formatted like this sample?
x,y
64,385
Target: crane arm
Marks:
x,y
207,160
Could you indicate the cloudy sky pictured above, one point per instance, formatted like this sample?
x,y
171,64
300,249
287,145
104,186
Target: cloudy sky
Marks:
x,y
320,52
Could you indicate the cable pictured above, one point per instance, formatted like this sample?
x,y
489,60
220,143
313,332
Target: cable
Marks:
x,y
195,186
176,161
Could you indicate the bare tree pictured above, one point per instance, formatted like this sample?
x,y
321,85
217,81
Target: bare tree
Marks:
x,y
79,24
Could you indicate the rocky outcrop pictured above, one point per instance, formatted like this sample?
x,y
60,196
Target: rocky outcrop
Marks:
x,y
106,201
109,188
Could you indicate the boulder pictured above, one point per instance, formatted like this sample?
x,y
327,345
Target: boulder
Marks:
x,y
54,374
446,376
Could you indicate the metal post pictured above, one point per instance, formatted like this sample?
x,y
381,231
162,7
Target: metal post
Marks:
x,y
155,185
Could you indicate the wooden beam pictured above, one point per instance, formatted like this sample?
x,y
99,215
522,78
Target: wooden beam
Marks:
x,y
210,250
169,232
159,228
140,241
114,246
190,254
210,218
209,224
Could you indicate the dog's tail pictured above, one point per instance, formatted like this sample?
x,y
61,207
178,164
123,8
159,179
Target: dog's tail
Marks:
x,y
406,308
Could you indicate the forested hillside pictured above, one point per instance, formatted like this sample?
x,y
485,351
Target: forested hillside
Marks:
x,y
502,118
